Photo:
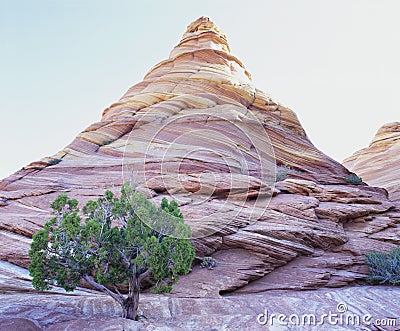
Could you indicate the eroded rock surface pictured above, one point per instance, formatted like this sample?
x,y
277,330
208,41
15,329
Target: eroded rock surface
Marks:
x,y
378,164
234,312
183,132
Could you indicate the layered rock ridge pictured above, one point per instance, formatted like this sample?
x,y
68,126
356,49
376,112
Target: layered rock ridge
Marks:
x,y
378,164
184,132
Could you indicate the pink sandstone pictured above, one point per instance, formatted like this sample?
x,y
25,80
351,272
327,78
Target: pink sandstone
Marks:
x,y
183,131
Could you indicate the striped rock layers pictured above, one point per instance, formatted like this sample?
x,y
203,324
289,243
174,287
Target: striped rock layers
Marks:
x,y
378,164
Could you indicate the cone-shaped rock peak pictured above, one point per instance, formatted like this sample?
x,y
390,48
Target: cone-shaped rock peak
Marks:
x,y
197,130
201,34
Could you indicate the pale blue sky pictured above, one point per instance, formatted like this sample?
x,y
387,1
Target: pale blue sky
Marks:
x,y
335,63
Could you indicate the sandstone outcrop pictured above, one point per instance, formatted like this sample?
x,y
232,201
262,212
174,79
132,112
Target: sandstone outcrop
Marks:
x,y
197,129
173,313
378,164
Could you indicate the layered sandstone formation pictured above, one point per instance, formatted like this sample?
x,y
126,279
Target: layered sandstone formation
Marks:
x,y
197,129
88,311
378,164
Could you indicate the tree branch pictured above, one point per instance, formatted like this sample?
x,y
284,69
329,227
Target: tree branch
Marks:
x,y
117,297
143,275
118,292
124,258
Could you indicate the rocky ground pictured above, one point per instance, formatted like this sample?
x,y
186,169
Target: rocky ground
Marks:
x,y
21,308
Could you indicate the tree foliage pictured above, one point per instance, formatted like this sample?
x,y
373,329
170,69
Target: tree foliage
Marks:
x,y
113,242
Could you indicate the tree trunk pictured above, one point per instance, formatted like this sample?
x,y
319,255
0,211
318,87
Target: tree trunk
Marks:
x,y
131,303
130,306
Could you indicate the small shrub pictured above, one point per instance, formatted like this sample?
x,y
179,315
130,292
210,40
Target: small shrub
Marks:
x,y
353,179
162,288
384,267
281,173
107,142
54,161
208,262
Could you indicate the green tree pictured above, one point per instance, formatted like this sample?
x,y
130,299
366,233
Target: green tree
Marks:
x,y
116,243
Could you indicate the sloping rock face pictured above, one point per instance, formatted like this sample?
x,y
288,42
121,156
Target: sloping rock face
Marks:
x,y
378,164
197,130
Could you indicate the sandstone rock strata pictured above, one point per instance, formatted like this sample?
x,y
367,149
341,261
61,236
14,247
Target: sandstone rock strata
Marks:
x,y
234,312
378,164
198,130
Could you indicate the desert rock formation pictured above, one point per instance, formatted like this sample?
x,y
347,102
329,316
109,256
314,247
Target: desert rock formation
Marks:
x,y
198,130
378,164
